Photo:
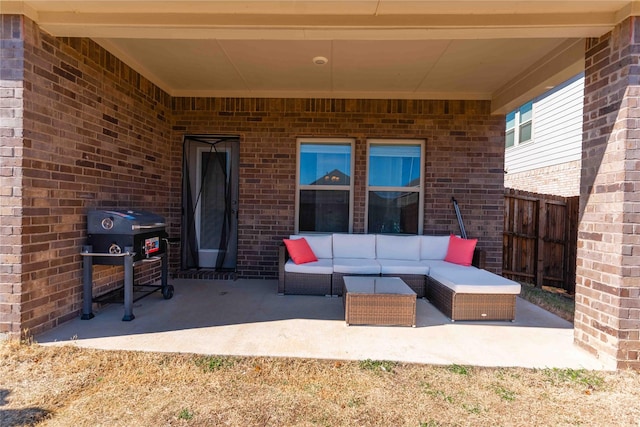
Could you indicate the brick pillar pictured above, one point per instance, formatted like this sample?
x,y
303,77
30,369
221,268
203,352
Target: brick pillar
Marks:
x,y
607,321
11,107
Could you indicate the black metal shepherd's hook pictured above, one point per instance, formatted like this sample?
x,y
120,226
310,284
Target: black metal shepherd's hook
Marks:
x,y
463,233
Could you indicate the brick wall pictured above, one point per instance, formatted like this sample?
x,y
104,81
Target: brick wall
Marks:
x,y
96,134
464,158
607,320
11,100
559,180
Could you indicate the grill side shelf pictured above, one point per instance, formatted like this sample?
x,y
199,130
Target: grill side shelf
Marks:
x,y
108,254
148,226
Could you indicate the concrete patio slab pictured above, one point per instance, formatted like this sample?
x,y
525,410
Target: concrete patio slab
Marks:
x,y
248,318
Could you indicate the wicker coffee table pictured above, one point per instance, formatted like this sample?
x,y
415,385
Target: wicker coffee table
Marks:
x,y
373,300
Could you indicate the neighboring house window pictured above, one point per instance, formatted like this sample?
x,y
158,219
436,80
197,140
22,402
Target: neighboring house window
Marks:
x,y
519,124
510,136
394,186
324,194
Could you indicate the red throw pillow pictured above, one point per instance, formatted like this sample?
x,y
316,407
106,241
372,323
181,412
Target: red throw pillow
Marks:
x,y
299,250
460,251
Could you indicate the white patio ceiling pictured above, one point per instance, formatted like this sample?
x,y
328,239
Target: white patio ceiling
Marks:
x,y
505,51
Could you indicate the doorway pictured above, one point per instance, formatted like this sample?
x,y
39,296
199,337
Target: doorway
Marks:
x,y
210,202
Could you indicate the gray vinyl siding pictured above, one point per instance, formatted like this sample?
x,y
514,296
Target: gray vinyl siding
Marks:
x,y
557,130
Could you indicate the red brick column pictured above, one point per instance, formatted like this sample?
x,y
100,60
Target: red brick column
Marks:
x,y
11,126
607,320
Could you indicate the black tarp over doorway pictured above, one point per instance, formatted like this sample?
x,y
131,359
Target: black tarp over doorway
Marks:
x,y
210,202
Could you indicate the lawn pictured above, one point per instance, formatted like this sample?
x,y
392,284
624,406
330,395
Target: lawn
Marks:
x,y
70,386
551,299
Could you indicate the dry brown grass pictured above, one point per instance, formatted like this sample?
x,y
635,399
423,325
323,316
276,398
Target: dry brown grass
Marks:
x,y
70,386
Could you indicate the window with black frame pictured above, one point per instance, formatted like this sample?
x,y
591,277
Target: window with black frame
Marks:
x,y
325,188
394,187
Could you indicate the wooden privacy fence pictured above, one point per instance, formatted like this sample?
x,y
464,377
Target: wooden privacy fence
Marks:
x,y
540,239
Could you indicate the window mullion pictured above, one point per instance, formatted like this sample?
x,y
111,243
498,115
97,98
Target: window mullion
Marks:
x,y
398,189
325,187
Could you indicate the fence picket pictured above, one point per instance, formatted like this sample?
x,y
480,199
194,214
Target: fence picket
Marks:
x,y
540,239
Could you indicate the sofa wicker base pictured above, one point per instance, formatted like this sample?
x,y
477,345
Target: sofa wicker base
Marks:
x,y
305,284
461,306
337,282
300,283
417,282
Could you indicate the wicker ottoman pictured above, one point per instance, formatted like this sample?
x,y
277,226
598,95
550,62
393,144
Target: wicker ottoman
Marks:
x,y
370,300
472,294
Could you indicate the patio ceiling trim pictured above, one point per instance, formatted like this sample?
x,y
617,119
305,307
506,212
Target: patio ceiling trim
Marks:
x,y
323,27
327,20
558,66
322,20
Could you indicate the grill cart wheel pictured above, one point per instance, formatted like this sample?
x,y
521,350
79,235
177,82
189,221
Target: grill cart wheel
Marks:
x,y
167,292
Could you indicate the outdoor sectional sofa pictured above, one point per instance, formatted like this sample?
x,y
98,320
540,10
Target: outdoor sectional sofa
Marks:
x,y
462,292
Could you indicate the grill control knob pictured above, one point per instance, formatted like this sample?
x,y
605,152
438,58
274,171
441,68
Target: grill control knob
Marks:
x,y
114,249
107,223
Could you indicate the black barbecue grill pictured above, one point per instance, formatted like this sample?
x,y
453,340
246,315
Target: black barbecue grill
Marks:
x,y
124,237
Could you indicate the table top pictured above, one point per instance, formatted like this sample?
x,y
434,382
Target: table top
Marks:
x,y
376,285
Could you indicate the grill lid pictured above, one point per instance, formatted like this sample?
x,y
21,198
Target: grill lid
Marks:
x,y
123,221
